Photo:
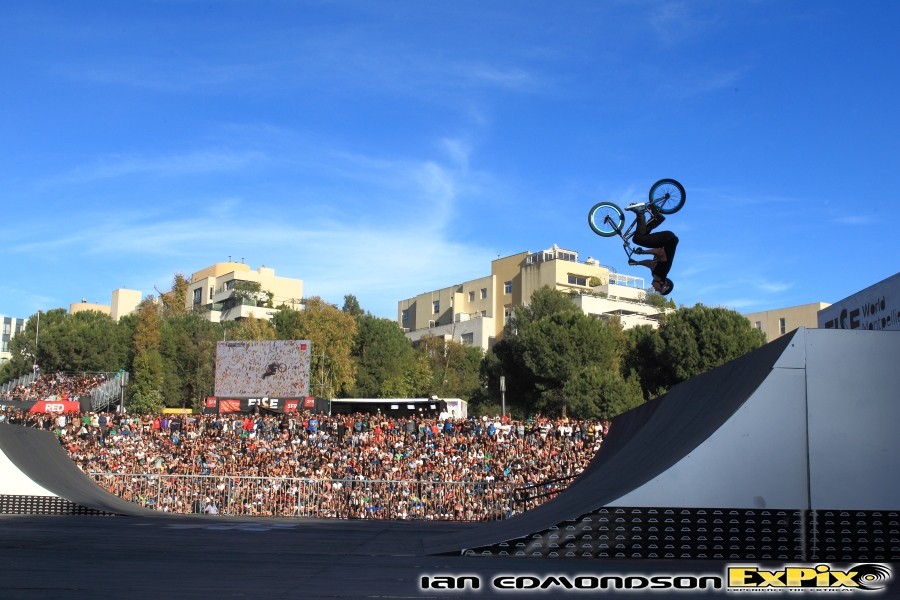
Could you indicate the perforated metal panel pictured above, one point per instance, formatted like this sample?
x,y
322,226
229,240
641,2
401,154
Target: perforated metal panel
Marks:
x,y
43,505
855,535
719,534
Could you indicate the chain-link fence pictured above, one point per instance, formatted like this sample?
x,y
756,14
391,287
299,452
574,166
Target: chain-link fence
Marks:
x,y
334,498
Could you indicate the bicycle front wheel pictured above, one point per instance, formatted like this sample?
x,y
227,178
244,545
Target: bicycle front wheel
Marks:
x,y
606,219
668,195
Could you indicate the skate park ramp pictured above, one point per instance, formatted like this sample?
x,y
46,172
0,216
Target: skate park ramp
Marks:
x,y
34,463
803,423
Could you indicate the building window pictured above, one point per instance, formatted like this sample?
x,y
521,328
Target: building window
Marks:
x,y
507,313
782,325
507,287
198,296
758,325
468,339
436,307
471,296
577,280
7,328
404,316
484,313
483,293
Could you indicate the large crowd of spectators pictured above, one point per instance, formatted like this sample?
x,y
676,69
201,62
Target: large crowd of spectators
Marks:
x,y
56,386
344,466
365,466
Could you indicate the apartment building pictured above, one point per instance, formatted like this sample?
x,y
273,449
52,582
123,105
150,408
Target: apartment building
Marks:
x,y
221,291
11,326
779,321
122,302
475,312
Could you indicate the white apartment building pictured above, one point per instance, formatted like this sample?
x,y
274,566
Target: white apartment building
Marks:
x,y
475,312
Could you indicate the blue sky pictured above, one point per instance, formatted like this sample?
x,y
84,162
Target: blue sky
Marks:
x,y
384,149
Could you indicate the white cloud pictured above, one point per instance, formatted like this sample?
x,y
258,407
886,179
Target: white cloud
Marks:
x,y
174,165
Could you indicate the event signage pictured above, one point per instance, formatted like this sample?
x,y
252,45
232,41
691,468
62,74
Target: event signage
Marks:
x,y
224,405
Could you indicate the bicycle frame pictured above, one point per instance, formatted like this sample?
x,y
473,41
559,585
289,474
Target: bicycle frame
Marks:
x,y
666,196
625,234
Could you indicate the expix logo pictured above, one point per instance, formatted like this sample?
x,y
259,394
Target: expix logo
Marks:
x,y
862,577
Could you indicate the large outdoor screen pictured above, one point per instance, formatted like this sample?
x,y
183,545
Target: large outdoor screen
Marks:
x,y
275,369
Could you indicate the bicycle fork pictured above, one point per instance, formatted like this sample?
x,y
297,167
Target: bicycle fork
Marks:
x,y
626,237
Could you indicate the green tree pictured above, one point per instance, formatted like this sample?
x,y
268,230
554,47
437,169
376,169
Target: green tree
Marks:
x,y
384,359
454,367
189,354
689,341
287,324
507,357
598,392
87,341
147,374
174,302
25,347
701,338
351,305
410,383
252,329
545,302
640,358
332,334
658,300
560,348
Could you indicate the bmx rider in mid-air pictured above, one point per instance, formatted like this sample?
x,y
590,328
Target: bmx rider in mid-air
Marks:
x,y
661,245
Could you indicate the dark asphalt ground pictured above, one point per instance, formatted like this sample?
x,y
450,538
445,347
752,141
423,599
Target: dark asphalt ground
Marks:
x,y
216,557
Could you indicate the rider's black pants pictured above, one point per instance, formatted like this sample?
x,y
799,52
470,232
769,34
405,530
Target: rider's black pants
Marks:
x,y
643,237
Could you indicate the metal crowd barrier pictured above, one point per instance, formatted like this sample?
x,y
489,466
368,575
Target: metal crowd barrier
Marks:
x,y
327,498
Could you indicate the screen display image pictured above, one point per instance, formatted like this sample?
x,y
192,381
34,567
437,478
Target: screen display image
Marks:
x,y
274,369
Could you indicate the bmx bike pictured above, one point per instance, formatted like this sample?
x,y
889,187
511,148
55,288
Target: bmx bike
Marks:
x,y
274,367
606,219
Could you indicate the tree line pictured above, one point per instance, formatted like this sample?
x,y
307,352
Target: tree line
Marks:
x,y
554,359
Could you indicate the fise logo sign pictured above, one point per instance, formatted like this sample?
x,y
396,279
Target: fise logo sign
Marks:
x,y
861,577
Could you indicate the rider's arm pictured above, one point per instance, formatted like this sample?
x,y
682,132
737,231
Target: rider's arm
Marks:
x,y
659,254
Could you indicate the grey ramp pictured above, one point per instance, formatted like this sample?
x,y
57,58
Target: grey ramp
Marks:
x,y
41,458
642,444
818,434
755,460
853,380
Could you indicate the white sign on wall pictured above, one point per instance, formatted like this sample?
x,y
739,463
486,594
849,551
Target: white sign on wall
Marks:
x,y
876,308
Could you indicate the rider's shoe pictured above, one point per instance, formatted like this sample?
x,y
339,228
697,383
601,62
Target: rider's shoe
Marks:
x,y
639,251
636,207
632,262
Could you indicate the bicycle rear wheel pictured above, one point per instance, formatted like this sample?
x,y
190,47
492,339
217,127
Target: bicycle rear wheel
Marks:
x,y
606,219
668,195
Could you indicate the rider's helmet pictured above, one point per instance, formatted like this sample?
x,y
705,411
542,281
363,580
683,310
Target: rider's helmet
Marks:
x,y
666,287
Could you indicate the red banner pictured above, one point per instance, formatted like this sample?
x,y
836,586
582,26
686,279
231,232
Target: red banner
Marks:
x,y
55,406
